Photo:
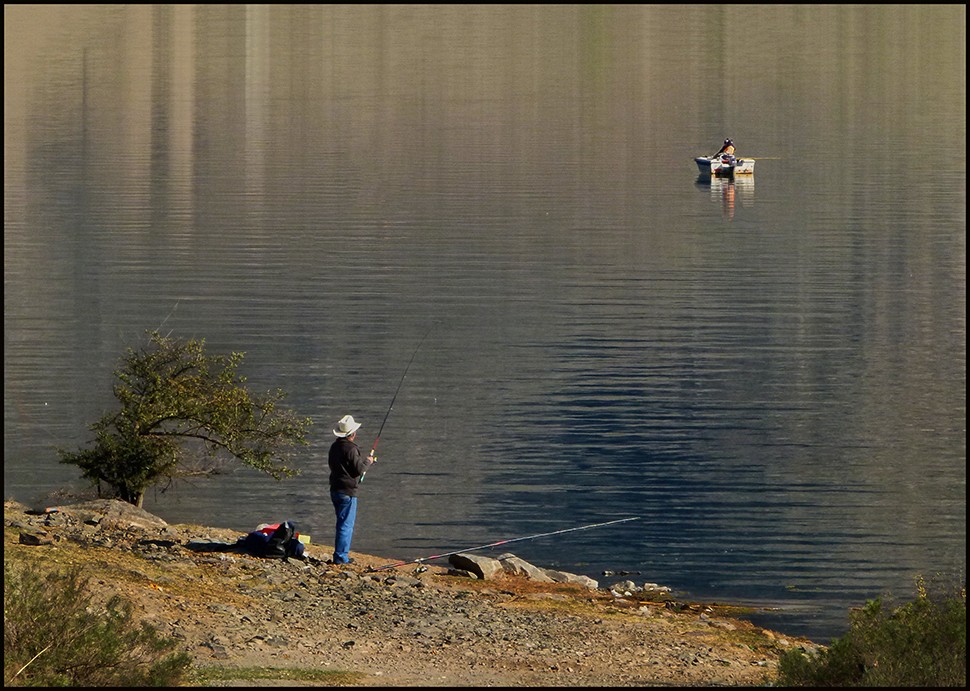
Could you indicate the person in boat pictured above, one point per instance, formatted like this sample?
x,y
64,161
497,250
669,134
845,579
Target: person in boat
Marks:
x,y
346,468
727,152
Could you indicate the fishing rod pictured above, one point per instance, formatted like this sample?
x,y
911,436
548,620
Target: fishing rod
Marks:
x,y
394,398
503,542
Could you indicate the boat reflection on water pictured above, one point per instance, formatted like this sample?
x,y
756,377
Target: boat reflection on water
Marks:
x,y
730,191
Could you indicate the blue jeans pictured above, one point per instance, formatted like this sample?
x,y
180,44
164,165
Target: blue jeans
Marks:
x,y
346,509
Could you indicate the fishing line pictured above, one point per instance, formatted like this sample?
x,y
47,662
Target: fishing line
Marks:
x,y
394,398
169,315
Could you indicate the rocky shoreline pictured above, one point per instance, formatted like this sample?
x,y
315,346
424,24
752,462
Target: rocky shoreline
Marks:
x,y
475,623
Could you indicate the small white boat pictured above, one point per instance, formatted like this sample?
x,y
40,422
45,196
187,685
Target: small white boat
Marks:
x,y
724,166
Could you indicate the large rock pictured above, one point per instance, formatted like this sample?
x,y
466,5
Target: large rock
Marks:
x,y
36,538
566,577
483,567
520,567
111,513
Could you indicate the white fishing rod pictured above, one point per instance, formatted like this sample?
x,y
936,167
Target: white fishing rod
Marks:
x,y
503,542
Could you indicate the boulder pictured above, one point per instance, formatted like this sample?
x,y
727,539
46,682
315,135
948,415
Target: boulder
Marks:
x,y
520,567
111,513
566,577
36,538
483,567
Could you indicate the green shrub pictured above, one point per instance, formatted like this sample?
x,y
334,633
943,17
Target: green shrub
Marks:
x,y
181,410
921,643
54,636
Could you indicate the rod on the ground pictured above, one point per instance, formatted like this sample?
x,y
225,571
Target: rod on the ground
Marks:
x,y
503,542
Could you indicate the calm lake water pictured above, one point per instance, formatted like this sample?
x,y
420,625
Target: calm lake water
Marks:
x,y
769,372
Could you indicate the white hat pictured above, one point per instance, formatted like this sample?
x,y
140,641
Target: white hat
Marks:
x,y
346,426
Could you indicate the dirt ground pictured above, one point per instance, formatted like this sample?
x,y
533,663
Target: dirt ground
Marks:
x,y
249,621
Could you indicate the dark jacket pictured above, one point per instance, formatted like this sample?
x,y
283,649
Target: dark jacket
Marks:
x,y
346,466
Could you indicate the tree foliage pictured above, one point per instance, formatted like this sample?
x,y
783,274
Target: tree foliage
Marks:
x,y
181,410
919,643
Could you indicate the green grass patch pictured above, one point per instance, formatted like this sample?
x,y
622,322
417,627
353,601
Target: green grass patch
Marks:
x,y
204,676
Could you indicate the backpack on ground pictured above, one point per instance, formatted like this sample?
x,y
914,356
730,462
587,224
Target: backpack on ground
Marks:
x,y
277,541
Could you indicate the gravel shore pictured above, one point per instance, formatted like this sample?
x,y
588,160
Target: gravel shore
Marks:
x,y
410,626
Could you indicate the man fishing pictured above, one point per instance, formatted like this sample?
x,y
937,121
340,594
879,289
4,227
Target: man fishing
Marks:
x,y
727,151
347,471
347,467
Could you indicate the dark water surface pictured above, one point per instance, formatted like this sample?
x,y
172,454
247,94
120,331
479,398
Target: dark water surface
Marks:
x,y
770,372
